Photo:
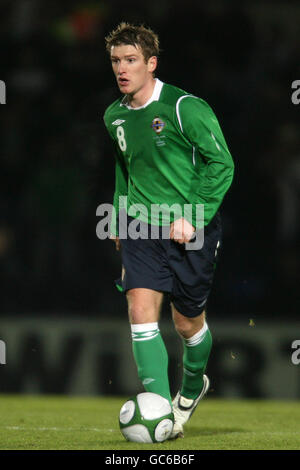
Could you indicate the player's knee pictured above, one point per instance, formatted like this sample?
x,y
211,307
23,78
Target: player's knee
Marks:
x,y
143,306
138,313
187,327
184,329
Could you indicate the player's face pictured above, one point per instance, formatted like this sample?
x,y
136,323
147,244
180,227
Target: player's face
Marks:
x,y
133,74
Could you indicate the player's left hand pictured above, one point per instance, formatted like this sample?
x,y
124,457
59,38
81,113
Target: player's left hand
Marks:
x,y
181,231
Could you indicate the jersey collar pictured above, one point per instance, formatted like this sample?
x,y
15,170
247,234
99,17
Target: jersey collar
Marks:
x,y
155,96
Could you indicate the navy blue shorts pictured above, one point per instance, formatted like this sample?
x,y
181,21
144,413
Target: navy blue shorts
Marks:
x,y
166,266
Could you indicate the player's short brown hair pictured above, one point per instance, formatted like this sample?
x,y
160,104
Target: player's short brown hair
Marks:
x,y
128,34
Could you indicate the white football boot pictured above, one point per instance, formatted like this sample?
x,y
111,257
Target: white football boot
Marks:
x,y
183,408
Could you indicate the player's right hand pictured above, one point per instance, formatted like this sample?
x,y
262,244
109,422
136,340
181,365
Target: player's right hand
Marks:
x,y
181,231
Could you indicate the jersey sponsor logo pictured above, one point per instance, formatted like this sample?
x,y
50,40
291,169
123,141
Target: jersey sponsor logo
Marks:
x,y
118,122
158,125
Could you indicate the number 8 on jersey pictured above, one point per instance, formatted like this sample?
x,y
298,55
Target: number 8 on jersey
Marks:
x,y
121,138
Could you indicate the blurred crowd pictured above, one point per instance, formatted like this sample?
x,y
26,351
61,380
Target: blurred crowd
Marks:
x,y
56,163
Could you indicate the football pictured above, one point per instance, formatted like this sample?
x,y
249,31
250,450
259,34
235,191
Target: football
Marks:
x,y
147,418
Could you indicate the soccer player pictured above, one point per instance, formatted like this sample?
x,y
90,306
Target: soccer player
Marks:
x,y
170,152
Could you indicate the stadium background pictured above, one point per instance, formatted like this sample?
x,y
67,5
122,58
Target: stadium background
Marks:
x,y
63,322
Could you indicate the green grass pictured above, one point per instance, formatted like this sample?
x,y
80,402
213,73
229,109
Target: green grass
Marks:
x,y
67,423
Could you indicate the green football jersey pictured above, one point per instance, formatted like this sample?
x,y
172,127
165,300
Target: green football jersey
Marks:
x,y
170,152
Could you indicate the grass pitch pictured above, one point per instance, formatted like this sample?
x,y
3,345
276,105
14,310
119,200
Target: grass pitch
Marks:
x,y
67,423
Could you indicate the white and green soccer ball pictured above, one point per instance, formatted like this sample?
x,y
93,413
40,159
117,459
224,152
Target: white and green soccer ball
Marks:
x,y
147,417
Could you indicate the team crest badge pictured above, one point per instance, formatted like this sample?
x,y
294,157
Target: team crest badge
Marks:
x,y
158,125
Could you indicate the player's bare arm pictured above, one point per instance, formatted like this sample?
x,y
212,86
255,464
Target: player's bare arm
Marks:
x,y
117,241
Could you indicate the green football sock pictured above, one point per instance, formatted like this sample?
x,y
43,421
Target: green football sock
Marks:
x,y
151,358
195,358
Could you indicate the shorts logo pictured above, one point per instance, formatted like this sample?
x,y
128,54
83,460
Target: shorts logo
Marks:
x,y
158,125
